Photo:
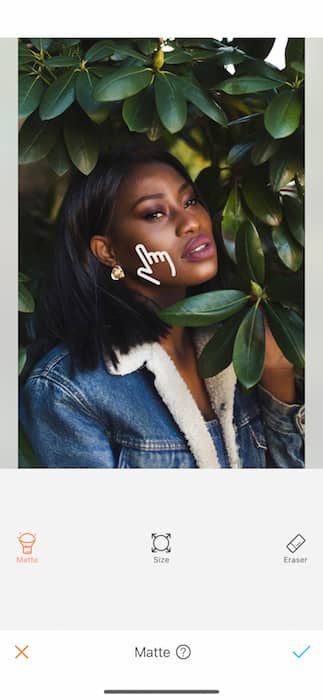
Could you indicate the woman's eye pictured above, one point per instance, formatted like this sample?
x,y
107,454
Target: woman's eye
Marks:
x,y
191,202
154,215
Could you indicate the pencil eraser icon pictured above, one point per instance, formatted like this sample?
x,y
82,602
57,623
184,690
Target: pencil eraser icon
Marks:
x,y
295,543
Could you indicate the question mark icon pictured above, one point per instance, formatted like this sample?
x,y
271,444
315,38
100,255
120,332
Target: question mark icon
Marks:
x,y
183,651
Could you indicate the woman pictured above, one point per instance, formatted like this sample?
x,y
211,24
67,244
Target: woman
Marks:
x,y
120,388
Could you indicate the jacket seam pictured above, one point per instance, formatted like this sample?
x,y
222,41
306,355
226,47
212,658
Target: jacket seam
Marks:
x,y
75,399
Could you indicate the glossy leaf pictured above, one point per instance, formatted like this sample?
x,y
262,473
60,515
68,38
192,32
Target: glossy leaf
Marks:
x,y
239,151
259,47
63,62
262,202
249,348
233,216
58,97
249,252
170,103
262,68
178,56
122,83
294,213
36,138
31,88
217,354
58,159
287,328
226,55
200,99
262,151
25,55
82,143
84,86
283,166
138,111
205,309
290,252
298,66
246,85
100,51
26,302
282,116
22,359
41,44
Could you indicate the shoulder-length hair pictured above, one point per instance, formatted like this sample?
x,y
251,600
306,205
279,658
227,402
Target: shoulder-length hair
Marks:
x,y
84,307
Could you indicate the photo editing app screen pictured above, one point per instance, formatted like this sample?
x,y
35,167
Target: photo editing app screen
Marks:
x,y
162,520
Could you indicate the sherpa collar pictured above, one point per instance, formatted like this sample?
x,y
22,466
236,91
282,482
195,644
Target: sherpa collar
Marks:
x,y
180,402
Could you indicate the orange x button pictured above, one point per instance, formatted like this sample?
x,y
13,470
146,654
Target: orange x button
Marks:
x,y
21,652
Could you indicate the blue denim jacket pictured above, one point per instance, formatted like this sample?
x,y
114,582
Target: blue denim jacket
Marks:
x,y
142,415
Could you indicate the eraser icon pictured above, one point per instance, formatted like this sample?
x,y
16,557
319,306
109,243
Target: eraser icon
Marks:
x,y
295,543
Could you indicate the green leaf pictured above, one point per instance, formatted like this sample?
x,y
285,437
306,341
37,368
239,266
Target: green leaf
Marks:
x,y
262,151
288,330
122,83
298,66
202,101
22,359
138,111
205,309
229,55
63,62
84,86
217,354
294,50
31,88
283,167
27,456
249,348
170,103
26,302
263,68
58,97
25,55
233,216
262,202
58,159
249,252
23,278
36,138
246,85
41,44
294,212
287,289
81,142
239,151
290,252
282,116
100,51
178,56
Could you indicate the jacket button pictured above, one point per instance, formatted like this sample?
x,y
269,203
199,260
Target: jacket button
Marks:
x,y
300,420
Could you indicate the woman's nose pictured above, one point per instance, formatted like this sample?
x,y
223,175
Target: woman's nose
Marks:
x,y
187,222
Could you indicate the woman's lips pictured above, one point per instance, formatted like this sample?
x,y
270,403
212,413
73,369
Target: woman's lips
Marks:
x,y
199,248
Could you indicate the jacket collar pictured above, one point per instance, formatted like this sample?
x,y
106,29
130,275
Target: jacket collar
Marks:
x,y
179,400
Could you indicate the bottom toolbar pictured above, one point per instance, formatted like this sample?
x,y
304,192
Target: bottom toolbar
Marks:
x,y
229,665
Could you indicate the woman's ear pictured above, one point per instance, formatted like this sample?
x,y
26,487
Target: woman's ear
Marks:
x,y
103,250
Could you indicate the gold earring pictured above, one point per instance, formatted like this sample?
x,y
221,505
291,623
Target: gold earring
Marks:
x,y
117,273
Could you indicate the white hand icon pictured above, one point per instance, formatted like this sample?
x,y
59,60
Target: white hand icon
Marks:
x,y
147,259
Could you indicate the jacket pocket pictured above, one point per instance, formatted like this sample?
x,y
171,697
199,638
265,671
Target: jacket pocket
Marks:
x,y
142,458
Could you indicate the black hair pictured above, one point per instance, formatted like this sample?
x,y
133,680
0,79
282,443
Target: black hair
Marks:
x,y
84,308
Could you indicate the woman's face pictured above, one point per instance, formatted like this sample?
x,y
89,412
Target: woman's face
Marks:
x,y
158,209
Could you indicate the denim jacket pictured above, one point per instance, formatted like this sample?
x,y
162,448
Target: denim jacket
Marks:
x,y
142,415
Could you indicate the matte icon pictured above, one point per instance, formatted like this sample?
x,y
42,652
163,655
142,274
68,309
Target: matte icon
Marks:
x,y
27,541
